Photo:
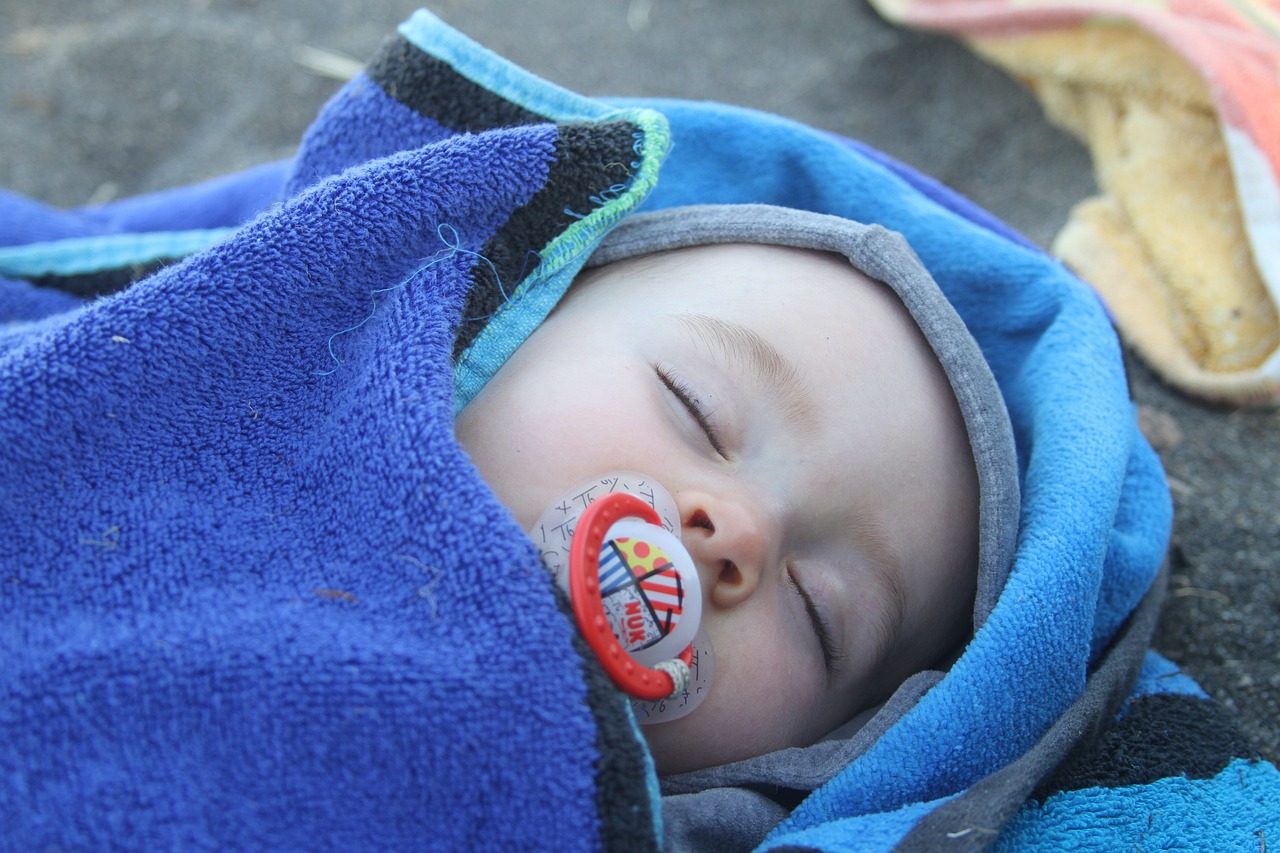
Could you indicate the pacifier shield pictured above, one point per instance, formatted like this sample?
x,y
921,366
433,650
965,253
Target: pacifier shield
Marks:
x,y
702,672
553,531
634,589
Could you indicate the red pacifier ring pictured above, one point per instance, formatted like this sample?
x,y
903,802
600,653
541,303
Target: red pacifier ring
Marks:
x,y
634,678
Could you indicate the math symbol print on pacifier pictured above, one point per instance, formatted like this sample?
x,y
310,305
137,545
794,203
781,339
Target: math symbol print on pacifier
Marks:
x,y
553,531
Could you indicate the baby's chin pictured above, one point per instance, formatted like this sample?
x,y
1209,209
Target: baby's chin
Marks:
x,y
704,739
677,748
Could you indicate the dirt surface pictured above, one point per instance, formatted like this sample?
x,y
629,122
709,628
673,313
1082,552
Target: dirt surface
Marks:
x,y
105,98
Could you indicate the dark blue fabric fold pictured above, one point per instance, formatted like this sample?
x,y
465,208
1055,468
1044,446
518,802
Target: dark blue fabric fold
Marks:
x,y
255,594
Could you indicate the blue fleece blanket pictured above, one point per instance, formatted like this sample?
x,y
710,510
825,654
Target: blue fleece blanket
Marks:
x,y
254,596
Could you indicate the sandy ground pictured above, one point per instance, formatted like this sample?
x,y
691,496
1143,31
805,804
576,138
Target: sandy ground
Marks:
x,y
105,98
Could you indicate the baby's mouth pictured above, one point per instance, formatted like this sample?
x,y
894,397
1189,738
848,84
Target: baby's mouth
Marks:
x,y
623,562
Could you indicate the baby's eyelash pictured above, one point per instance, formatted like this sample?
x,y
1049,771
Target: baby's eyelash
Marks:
x,y
689,399
831,656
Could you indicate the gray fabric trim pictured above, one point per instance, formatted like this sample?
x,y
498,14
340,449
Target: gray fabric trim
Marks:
x,y
972,821
885,256
733,799
720,819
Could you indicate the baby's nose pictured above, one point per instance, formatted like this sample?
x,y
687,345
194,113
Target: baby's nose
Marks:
x,y
730,540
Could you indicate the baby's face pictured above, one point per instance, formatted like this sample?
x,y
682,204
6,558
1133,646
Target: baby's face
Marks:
x,y
815,453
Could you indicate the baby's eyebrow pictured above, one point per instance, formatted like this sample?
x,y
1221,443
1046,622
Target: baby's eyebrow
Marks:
x,y
747,349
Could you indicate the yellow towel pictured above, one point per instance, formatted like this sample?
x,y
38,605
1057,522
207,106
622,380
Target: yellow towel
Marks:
x,y
1164,242
1179,106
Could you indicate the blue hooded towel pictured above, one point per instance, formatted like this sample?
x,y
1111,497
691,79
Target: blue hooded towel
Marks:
x,y
253,595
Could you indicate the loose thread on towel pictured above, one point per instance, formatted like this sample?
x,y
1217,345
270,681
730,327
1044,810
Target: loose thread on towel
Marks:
x,y
109,538
618,189
637,148
426,591
506,297
452,246
615,192
600,199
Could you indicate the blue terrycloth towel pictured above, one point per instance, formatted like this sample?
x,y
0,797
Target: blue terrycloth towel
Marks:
x,y
252,594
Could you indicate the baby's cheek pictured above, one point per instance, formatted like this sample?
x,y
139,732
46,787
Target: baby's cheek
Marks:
x,y
771,700
758,704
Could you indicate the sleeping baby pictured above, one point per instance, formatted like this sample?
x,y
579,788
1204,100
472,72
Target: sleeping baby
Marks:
x,y
273,514
817,429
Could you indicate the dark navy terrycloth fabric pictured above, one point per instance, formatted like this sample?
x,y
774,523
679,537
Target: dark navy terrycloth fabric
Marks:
x,y
257,596
253,596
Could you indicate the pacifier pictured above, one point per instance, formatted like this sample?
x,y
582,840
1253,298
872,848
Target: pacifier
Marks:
x,y
612,544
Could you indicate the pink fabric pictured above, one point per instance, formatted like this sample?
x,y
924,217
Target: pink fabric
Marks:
x,y
1233,45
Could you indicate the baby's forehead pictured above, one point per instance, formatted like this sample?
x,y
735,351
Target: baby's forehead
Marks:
x,y
870,254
